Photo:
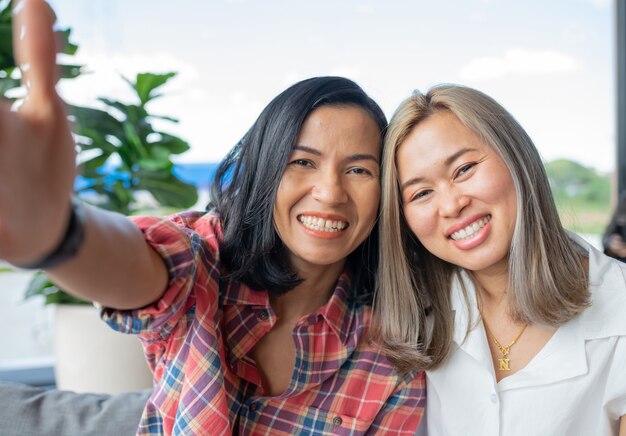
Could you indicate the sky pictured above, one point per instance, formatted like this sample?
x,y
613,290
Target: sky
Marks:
x,y
550,63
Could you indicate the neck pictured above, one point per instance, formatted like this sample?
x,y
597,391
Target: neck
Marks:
x,y
492,288
314,292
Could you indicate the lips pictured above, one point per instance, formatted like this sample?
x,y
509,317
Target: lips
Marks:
x,y
319,223
468,231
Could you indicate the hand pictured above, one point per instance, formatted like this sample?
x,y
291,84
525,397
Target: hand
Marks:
x,y
37,152
616,245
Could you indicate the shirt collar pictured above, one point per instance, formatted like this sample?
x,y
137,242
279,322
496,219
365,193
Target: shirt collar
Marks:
x,y
607,285
465,307
338,312
469,334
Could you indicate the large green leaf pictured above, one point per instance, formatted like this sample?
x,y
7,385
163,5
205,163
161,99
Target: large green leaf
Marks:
x,y
63,38
147,83
92,139
165,118
129,112
96,119
158,159
169,190
5,12
70,71
93,163
8,83
174,144
6,46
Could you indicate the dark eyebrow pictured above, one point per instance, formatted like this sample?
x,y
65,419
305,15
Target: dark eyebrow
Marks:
x,y
364,156
307,149
351,158
449,160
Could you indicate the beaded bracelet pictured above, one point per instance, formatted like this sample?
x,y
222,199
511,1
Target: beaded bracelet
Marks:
x,y
69,245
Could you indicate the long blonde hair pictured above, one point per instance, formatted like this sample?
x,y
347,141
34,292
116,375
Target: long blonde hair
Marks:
x,y
547,279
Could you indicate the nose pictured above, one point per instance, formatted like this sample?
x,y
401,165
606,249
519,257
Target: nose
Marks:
x,y
452,202
329,188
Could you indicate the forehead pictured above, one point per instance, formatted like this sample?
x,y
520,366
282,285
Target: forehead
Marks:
x,y
340,125
434,141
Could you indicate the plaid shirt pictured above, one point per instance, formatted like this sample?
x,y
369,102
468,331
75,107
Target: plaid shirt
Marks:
x,y
198,337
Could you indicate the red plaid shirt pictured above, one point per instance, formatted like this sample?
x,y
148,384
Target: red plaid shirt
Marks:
x,y
198,337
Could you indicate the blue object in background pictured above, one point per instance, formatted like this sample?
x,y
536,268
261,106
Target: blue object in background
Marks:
x,y
198,174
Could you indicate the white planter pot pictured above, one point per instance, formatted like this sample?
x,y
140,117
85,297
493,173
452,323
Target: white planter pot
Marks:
x,y
91,357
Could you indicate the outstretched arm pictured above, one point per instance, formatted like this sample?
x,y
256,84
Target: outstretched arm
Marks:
x,y
114,264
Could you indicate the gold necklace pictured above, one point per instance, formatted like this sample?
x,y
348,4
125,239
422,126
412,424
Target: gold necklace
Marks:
x,y
504,360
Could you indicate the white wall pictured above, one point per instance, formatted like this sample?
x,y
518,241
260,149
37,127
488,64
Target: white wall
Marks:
x,y
25,325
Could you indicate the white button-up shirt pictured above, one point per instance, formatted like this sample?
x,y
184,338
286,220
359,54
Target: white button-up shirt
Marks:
x,y
576,385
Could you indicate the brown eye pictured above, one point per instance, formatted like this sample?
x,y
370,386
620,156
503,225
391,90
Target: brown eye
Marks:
x,y
464,169
419,195
360,170
301,163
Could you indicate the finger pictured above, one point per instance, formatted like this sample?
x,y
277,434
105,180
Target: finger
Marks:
x,y
34,45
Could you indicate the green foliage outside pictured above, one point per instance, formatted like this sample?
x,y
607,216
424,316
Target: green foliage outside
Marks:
x,y
582,195
121,153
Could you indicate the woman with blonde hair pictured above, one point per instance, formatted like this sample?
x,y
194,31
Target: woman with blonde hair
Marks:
x,y
519,323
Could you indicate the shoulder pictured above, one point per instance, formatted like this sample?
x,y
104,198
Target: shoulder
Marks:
x,y
607,286
205,224
195,220
183,239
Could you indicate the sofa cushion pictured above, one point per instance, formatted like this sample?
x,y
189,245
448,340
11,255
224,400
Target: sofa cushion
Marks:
x,y
27,410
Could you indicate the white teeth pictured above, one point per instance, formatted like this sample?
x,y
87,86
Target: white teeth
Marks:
x,y
468,232
320,224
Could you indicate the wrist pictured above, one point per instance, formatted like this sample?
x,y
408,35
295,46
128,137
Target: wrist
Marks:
x,y
71,242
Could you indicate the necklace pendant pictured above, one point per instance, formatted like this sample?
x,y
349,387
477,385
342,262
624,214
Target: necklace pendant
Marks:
x,y
504,364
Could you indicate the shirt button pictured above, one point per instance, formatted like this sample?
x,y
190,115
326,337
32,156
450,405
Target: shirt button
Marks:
x,y
337,421
494,398
263,315
253,407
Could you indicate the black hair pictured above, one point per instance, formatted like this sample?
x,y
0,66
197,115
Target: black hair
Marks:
x,y
244,189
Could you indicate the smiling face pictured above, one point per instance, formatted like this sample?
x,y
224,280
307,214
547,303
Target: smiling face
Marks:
x,y
458,196
327,200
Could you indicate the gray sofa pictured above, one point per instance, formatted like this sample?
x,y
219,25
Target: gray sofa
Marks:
x,y
26,411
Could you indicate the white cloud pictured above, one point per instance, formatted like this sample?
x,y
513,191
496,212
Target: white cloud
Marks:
x,y
519,61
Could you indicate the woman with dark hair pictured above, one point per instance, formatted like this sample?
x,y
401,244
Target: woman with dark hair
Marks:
x,y
519,323
254,315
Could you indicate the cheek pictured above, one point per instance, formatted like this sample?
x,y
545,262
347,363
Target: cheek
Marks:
x,y
419,221
372,199
283,193
366,197
502,191
281,205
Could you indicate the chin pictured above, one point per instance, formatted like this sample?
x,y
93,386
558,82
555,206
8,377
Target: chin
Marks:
x,y
319,258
